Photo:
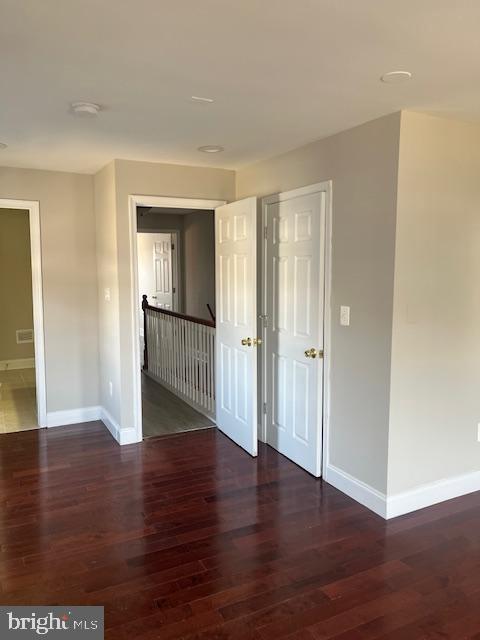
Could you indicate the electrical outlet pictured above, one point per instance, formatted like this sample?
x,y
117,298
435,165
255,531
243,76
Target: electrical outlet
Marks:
x,y
107,294
110,388
345,316
478,431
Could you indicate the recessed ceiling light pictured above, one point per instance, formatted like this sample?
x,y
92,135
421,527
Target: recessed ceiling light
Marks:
x,y
395,77
3,145
201,99
211,148
85,109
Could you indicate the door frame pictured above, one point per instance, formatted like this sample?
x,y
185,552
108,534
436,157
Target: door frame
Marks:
x,y
177,296
325,187
135,201
33,208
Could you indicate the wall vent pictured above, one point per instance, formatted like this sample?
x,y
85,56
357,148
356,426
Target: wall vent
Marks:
x,y
24,335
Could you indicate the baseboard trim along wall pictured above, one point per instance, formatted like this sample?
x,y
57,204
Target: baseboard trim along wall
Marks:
x,y
19,363
90,414
399,504
432,493
122,436
356,489
73,416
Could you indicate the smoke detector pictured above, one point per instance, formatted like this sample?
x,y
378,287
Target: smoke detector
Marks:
x,y
211,148
85,109
396,77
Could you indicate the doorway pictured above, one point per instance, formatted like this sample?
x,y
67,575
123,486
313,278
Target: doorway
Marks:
x,y
176,316
22,369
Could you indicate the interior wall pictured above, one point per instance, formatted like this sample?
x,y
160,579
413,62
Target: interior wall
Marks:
x,y
363,164
154,179
16,302
108,303
199,264
69,292
435,399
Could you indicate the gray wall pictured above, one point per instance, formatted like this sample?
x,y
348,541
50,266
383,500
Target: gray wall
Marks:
x,y
362,163
199,263
435,396
69,280
16,305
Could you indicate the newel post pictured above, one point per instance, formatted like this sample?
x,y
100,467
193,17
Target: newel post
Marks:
x,y
145,349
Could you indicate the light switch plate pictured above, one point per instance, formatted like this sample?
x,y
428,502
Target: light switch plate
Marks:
x,y
344,316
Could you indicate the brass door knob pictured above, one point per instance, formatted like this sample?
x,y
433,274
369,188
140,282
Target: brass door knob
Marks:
x,y
313,353
247,342
257,342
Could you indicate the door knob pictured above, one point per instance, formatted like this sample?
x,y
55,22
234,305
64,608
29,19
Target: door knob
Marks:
x,y
247,342
313,353
257,342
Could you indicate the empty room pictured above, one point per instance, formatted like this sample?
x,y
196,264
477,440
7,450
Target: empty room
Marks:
x,y
240,319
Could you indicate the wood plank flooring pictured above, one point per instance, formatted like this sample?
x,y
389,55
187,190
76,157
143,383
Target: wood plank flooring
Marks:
x,y
188,537
163,413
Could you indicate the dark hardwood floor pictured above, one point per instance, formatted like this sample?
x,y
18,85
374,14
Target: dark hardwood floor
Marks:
x,y
188,537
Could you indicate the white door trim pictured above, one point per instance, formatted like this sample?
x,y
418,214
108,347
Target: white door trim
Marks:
x,y
325,187
33,208
135,201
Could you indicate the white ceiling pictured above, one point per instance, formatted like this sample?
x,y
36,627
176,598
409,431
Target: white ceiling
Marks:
x,y
282,72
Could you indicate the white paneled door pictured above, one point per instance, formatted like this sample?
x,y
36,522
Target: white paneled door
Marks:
x,y
294,306
236,323
162,271
155,269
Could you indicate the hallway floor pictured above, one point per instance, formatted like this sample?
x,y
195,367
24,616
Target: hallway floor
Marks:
x,y
189,537
163,413
18,404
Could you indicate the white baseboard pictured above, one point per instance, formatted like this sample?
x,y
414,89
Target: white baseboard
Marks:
x,y
122,436
18,363
432,493
73,416
399,504
356,489
89,414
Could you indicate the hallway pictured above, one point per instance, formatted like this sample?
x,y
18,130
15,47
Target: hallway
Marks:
x,y
163,413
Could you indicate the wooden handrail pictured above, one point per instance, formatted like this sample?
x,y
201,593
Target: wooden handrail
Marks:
x,y
174,314
212,315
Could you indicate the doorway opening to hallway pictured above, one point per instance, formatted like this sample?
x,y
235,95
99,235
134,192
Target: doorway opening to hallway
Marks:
x,y
176,306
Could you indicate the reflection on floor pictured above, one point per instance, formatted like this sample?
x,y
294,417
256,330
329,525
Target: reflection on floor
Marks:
x,y
18,405
164,413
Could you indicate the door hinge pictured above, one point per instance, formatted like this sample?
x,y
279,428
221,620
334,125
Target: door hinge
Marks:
x,y
264,407
174,290
173,247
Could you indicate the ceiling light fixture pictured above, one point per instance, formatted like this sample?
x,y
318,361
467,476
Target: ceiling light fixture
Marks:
x,y
395,77
200,99
3,145
211,148
85,109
